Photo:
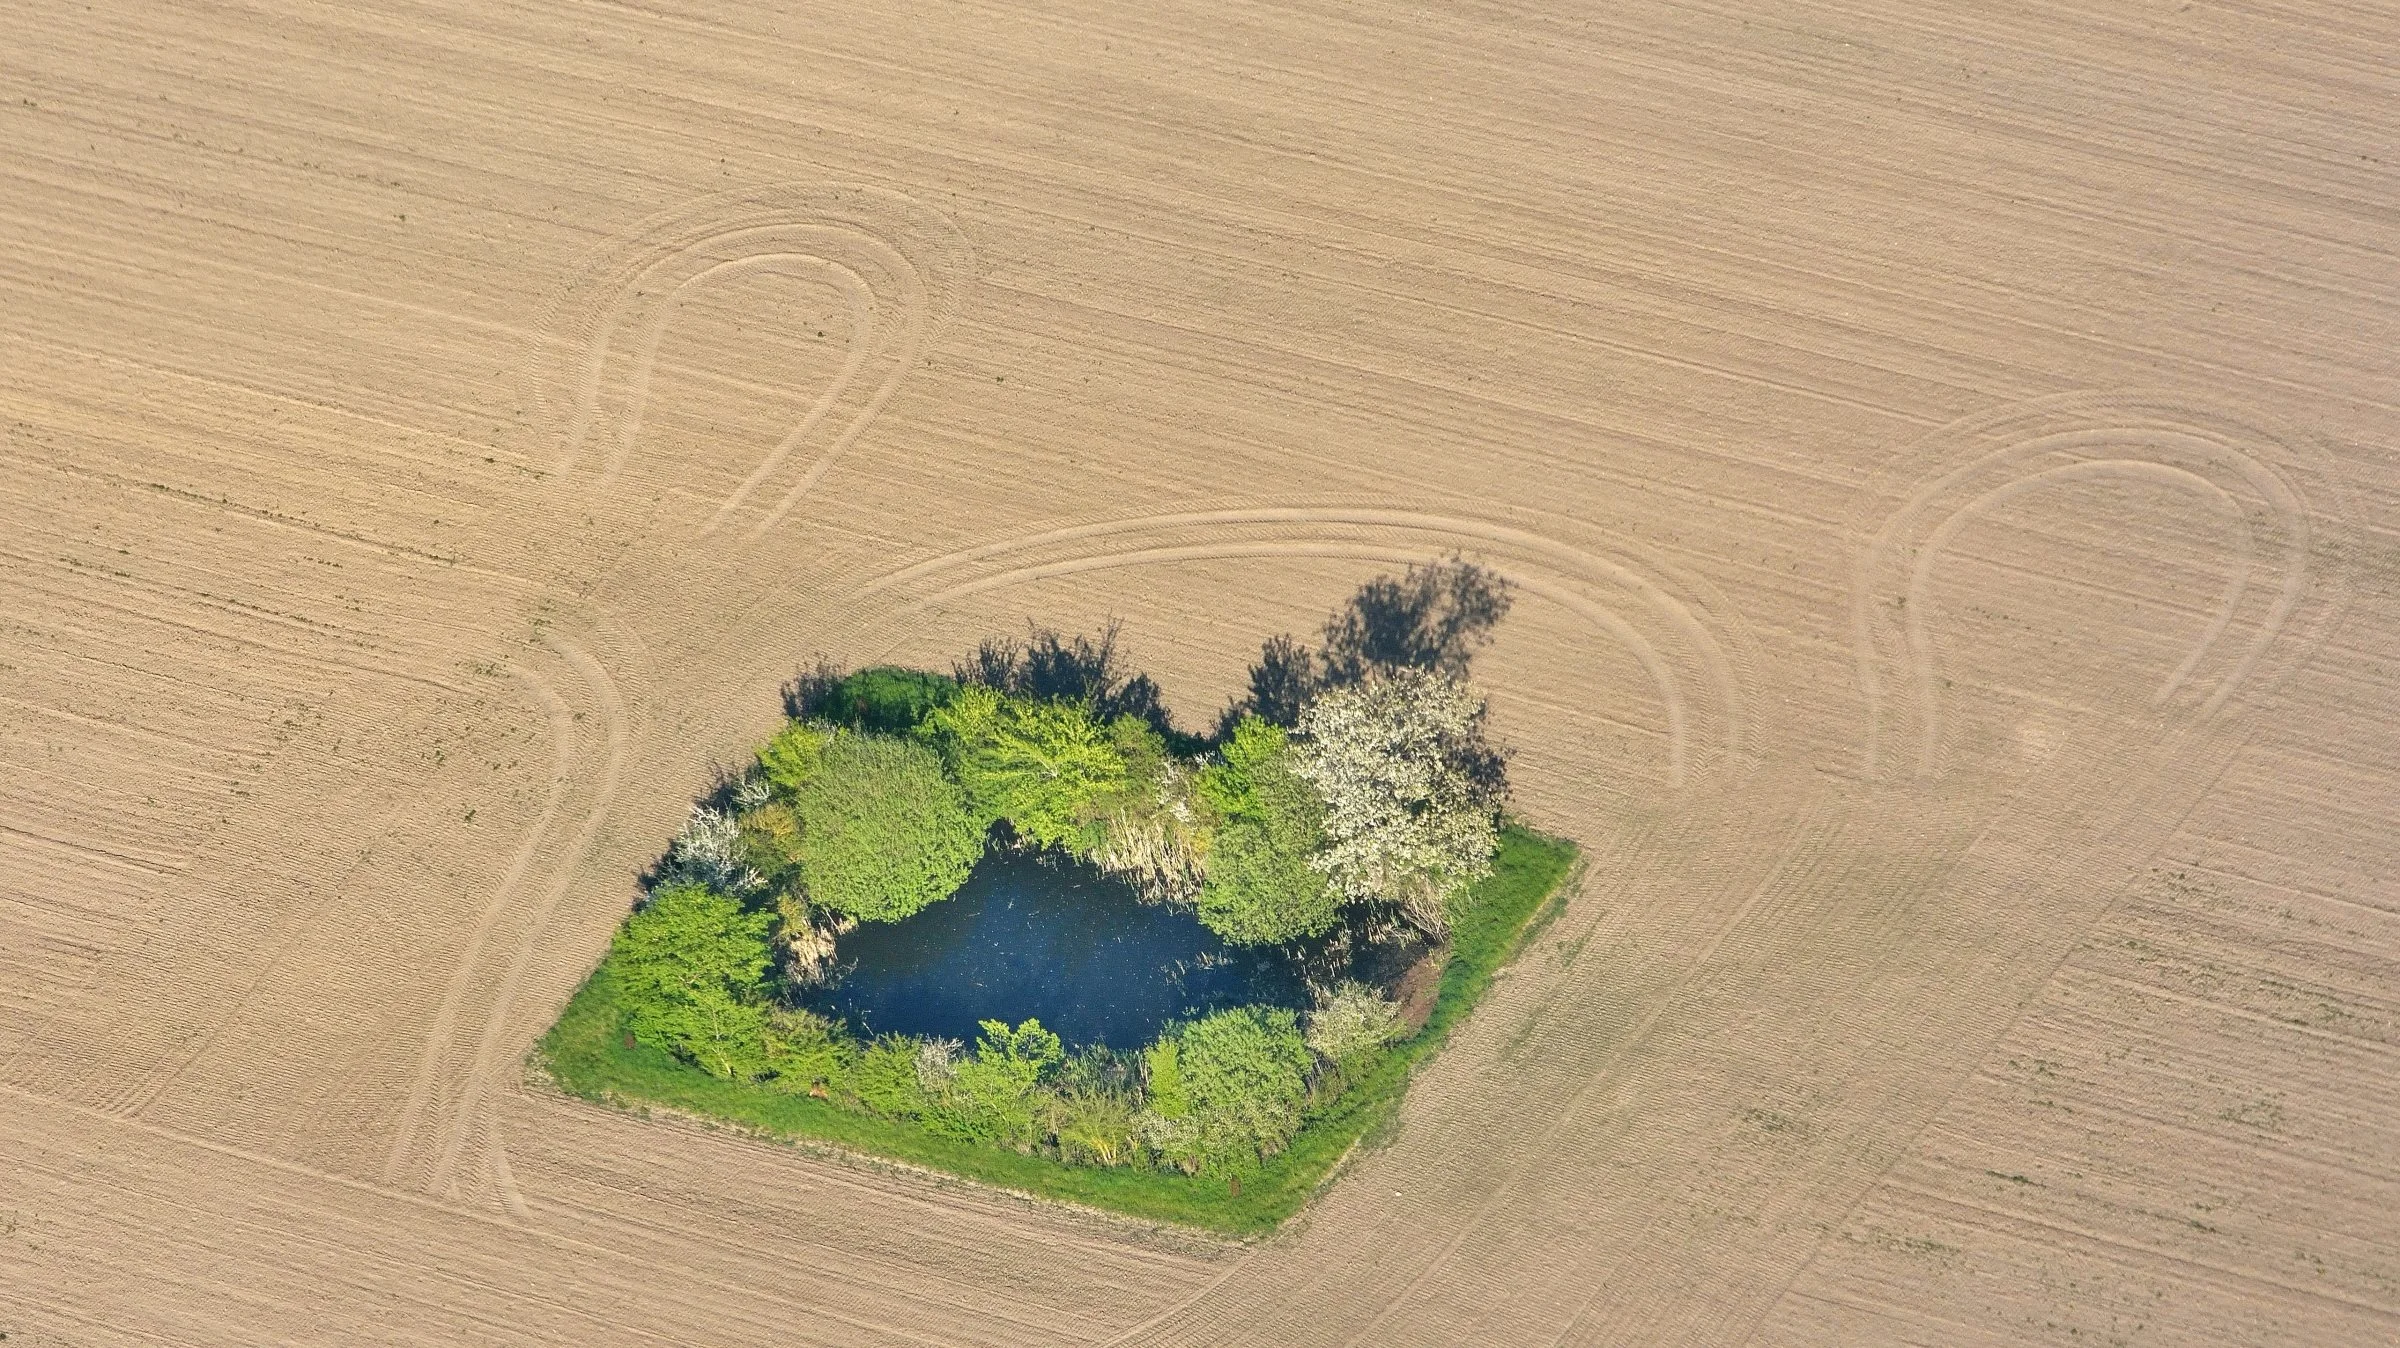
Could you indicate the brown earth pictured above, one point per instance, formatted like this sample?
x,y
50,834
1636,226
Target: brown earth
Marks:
x,y
1946,452
1419,988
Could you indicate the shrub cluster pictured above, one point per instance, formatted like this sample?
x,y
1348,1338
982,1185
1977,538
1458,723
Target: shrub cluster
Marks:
x,y
1215,1095
1352,790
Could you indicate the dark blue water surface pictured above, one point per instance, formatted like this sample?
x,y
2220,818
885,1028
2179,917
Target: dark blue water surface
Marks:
x,y
1032,936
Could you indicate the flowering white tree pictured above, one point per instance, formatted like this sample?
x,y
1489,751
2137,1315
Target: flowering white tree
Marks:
x,y
709,851
1350,1018
1411,791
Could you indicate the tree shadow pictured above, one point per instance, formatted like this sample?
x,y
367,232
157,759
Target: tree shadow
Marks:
x,y
1435,617
1081,668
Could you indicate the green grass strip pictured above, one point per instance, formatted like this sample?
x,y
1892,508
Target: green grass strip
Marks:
x,y
586,1055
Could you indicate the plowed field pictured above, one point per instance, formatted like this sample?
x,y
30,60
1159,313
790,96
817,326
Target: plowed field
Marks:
x,y
1946,454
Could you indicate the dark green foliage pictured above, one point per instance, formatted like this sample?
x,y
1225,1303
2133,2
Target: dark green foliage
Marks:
x,y
1038,765
1260,888
691,963
885,699
883,832
992,1096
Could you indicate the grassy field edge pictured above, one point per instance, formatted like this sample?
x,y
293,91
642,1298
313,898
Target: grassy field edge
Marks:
x,y
586,1054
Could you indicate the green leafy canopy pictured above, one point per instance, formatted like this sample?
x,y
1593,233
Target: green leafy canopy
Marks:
x,y
1260,888
1036,763
883,831
692,962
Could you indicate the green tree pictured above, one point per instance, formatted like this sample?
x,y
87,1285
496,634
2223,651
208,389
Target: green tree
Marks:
x,y
791,758
885,698
992,1096
883,832
1038,764
1226,1091
691,962
1260,888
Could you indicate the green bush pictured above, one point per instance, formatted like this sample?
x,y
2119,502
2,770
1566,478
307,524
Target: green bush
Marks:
x,y
1091,1125
691,962
886,699
1039,765
1226,1091
1260,888
791,758
1350,1019
803,1050
770,844
883,832
1147,829
885,1079
992,1096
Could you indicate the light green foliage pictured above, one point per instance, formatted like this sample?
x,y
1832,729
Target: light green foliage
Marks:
x,y
992,1096
1090,1126
791,758
884,1078
1038,764
802,1049
882,831
691,962
1226,1092
1150,828
1162,1076
1260,887
1351,1018
770,843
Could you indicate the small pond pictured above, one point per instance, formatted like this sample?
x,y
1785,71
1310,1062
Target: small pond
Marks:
x,y
1036,936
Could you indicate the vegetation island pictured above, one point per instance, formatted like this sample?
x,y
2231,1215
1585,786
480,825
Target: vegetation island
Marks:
x,y
1340,841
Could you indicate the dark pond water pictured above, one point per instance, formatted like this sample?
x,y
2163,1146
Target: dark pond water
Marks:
x,y
1056,941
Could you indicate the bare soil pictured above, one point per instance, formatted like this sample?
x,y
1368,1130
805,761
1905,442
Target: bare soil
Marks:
x,y
1946,453
1419,988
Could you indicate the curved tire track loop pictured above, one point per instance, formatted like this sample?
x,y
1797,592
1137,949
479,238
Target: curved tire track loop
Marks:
x,y
2251,474
897,264
1680,632
858,239
2297,617
598,693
